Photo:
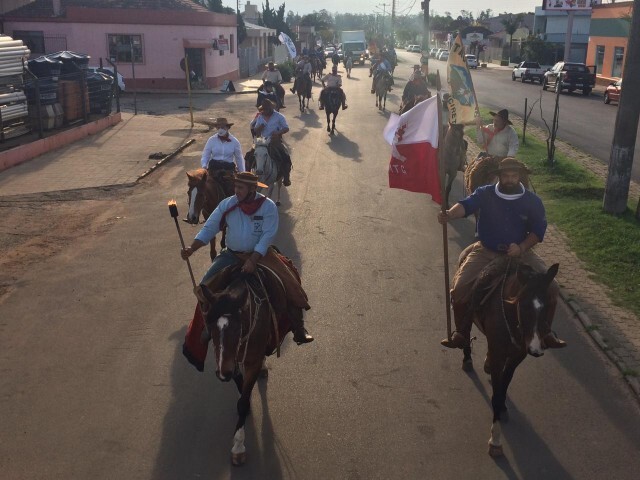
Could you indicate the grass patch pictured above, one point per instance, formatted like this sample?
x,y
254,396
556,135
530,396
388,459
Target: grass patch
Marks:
x,y
629,372
572,195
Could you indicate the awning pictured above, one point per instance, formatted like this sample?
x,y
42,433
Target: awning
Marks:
x,y
189,43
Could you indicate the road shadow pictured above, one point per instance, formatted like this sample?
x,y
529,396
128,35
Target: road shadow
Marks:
x,y
354,78
310,118
344,147
198,426
300,134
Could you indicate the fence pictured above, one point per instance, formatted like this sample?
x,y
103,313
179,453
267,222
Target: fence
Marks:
x,y
248,59
45,103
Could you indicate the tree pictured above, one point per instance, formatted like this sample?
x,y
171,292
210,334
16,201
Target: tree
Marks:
x,y
275,19
534,49
616,191
242,28
216,6
511,24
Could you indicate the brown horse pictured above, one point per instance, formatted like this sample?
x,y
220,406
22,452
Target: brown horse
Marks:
x,y
242,322
481,172
454,151
508,301
203,196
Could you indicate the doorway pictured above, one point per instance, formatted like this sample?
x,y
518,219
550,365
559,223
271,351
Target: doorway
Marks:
x,y
196,65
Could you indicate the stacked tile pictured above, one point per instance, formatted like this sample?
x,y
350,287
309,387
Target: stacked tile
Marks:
x,y
13,102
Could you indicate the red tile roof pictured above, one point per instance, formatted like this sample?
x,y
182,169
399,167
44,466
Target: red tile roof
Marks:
x,y
44,8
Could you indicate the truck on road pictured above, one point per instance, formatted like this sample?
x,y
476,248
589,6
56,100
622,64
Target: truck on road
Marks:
x,y
354,41
531,71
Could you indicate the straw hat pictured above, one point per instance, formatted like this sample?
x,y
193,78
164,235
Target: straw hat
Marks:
x,y
249,179
221,122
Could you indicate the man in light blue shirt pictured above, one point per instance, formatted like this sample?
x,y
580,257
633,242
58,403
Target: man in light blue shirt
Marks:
x,y
251,222
272,125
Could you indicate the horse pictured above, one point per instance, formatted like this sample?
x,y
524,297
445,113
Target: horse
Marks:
x,y
203,196
266,168
454,151
406,106
267,90
383,84
244,329
508,301
317,68
302,86
332,104
348,65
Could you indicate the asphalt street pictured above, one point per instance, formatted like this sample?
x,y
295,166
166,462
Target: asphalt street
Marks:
x,y
585,122
94,384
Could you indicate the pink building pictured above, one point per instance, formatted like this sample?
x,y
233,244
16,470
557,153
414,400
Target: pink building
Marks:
x,y
157,33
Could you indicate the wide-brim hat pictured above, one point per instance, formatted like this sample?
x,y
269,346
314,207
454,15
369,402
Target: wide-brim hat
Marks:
x,y
249,179
510,164
221,121
270,102
504,114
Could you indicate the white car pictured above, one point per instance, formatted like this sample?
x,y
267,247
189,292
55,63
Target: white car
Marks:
x,y
414,48
109,71
443,56
472,61
329,51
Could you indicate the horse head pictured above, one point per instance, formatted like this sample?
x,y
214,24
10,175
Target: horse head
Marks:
x,y
261,146
531,300
224,319
195,194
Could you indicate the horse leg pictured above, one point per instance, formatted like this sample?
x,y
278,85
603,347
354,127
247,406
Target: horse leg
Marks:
x,y
239,451
333,123
264,371
279,188
467,362
498,360
328,120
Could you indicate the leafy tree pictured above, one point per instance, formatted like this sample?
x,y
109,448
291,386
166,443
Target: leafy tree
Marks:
x,y
215,6
511,24
242,28
484,15
275,19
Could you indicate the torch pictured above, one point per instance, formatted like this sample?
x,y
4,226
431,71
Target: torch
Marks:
x,y
173,211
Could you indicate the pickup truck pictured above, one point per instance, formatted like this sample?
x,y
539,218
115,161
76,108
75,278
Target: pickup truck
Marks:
x,y
528,71
570,76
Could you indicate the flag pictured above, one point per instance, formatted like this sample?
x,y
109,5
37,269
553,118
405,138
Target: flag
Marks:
x,y
413,137
284,38
462,104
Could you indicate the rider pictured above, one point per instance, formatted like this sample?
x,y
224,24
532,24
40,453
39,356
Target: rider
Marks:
x,y
333,81
416,87
511,221
251,223
499,137
335,57
273,75
379,68
303,71
219,154
272,125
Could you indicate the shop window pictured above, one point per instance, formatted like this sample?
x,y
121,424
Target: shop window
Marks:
x,y
120,48
33,40
599,58
618,60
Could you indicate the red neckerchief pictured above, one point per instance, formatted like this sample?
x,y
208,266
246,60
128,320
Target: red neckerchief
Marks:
x,y
225,138
491,134
248,207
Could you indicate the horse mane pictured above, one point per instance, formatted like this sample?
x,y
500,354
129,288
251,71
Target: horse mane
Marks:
x,y
196,176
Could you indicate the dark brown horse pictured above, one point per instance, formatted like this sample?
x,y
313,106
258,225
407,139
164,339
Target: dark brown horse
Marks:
x,y
508,301
203,196
454,151
242,323
303,86
332,104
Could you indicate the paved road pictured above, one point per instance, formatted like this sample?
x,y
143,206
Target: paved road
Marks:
x,y
94,384
585,122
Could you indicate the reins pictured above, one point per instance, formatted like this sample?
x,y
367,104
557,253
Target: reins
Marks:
x,y
502,300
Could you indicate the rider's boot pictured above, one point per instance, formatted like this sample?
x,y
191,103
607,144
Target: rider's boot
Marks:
x,y
464,321
549,339
300,334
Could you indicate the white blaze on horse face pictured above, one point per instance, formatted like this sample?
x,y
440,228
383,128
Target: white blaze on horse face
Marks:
x,y
238,442
535,347
223,322
537,304
192,204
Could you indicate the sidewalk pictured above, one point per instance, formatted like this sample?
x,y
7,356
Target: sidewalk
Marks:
x,y
116,156
614,329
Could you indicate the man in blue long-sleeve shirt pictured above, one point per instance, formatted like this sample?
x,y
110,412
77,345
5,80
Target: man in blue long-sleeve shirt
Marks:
x,y
511,221
251,222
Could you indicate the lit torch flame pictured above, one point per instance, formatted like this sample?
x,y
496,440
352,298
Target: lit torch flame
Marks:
x,y
173,208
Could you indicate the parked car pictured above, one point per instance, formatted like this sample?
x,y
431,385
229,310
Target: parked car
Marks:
x,y
443,55
432,52
531,71
570,76
472,61
109,71
414,48
612,93
328,51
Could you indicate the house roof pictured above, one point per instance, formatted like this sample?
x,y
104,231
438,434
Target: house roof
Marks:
x,y
44,8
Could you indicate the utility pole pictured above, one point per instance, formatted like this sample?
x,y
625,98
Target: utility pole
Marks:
x,y
393,22
384,14
616,190
424,60
567,38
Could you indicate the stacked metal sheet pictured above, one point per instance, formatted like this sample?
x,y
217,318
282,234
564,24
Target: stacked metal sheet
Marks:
x,y
13,102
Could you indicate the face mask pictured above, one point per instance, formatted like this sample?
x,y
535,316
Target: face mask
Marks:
x,y
222,132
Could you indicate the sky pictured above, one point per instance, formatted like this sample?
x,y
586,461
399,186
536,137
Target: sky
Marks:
x,y
403,7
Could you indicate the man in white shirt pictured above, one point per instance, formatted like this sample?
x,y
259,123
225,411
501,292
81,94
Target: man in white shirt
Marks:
x,y
332,80
273,75
222,155
499,138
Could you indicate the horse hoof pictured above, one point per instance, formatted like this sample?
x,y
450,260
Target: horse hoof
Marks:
x,y
264,373
467,365
495,451
238,459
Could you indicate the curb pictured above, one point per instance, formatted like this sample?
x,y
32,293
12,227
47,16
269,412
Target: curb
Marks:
x,y
166,159
592,330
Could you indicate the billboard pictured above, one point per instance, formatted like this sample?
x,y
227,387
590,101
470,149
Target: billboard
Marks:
x,y
569,4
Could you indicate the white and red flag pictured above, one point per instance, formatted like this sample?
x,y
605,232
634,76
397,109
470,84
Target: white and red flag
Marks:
x,y
413,137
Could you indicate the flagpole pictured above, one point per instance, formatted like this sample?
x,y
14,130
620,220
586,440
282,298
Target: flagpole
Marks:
x,y
445,236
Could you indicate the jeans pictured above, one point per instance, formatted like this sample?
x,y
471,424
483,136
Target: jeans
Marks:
x,y
224,259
